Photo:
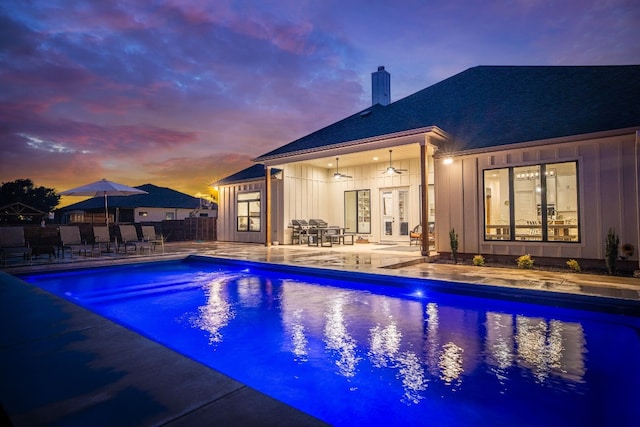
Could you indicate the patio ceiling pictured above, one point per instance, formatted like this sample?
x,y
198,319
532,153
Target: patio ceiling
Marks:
x,y
351,153
380,155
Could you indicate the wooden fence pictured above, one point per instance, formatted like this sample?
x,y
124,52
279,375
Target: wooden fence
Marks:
x,y
202,229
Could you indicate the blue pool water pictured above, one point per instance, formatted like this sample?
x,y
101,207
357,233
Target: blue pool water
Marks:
x,y
360,352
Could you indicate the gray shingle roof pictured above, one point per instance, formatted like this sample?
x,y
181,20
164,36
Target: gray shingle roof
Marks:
x,y
249,174
157,197
490,106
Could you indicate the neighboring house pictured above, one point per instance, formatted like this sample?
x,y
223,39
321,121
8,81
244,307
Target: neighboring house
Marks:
x,y
541,160
159,204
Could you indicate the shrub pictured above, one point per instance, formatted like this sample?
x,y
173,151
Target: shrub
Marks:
x,y
611,251
478,260
573,265
453,241
525,261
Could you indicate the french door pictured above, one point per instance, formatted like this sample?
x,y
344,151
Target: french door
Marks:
x,y
394,206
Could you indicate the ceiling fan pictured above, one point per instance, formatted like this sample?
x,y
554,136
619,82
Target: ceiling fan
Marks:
x,y
339,175
391,170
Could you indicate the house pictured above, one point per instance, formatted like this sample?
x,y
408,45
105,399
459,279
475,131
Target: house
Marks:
x,y
540,160
159,204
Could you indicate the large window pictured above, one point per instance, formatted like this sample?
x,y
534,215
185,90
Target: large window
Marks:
x,y
249,211
535,203
357,211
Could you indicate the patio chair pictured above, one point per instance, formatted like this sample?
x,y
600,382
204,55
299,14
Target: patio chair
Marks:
x,y
101,239
152,237
12,242
128,238
415,235
71,240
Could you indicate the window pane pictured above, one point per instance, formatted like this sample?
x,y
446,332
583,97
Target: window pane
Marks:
x,y
254,208
254,195
563,223
364,211
350,211
496,204
243,223
243,209
254,224
527,202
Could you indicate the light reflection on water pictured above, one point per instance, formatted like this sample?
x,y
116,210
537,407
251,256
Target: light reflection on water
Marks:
x,y
383,353
419,342
217,312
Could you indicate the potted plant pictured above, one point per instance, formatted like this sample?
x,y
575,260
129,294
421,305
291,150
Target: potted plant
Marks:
x,y
627,250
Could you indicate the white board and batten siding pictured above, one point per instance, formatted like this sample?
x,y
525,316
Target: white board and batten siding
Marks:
x,y
227,212
607,196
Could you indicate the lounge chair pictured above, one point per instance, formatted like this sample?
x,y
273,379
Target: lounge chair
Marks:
x,y
70,240
152,237
128,238
101,239
12,242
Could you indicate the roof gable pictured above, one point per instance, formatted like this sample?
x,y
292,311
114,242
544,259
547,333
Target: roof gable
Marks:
x,y
497,105
251,173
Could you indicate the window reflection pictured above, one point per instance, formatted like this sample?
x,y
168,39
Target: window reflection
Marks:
x,y
499,343
450,363
337,337
453,343
217,312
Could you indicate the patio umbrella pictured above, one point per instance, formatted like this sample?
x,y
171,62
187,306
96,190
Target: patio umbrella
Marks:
x,y
103,188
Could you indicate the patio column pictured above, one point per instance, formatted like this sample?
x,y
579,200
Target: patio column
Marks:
x,y
637,149
267,196
424,193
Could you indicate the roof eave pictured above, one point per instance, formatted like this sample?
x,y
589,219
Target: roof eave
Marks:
x,y
347,146
537,143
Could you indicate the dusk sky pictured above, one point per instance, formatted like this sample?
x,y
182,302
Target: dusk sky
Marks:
x,y
179,93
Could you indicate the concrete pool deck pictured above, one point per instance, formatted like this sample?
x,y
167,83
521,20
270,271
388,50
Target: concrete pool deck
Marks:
x,y
63,365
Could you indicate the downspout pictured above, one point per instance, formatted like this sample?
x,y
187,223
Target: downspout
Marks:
x,y
424,220
267,195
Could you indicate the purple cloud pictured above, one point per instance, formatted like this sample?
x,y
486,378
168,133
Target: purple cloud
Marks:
x,y
98,88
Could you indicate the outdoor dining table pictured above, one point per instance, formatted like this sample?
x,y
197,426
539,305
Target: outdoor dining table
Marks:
x,y
324,236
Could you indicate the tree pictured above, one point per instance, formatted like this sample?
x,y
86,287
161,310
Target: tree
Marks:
x,y
24,191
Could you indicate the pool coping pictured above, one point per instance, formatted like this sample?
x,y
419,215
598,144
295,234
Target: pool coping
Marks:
x,y
532,296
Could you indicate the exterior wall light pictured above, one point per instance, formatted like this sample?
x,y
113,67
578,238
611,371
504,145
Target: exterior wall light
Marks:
x,y
447,160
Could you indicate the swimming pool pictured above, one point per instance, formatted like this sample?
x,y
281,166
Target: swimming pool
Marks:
x,y
351,350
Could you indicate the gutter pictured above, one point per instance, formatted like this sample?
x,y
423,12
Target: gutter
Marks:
x,y
538,143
